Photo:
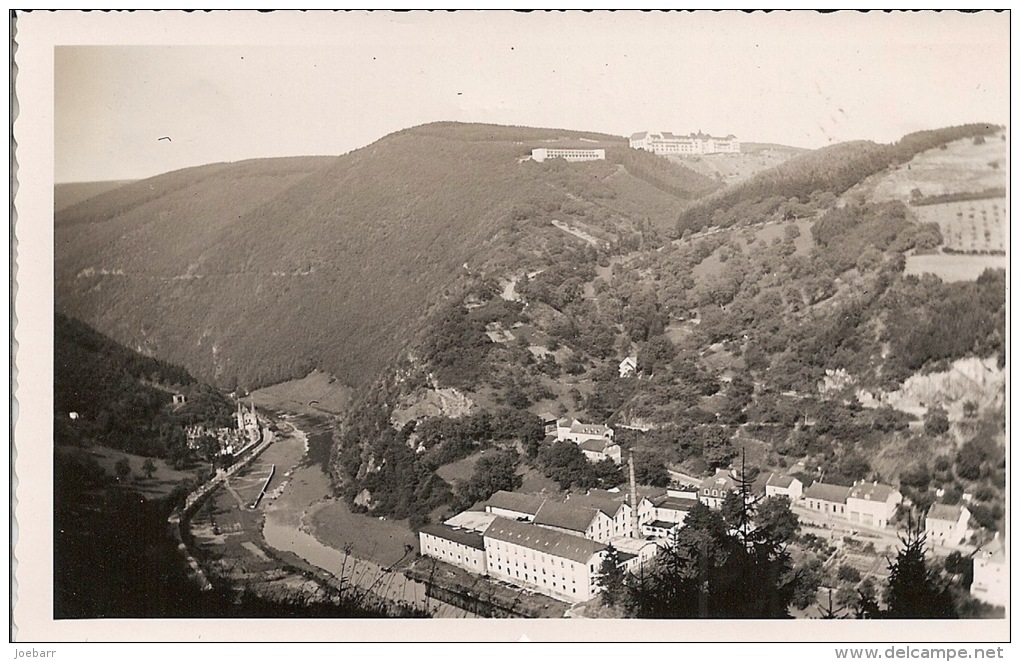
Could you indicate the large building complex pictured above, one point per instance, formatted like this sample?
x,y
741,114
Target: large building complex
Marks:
x,y
572,154
692,144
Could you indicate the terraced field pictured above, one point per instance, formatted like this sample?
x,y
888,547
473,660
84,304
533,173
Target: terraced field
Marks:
x,y
972,226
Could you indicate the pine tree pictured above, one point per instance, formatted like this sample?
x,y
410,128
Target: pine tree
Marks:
x,y
611,578
916,590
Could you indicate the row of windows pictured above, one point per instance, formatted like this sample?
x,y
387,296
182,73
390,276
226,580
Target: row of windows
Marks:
x,y
528,578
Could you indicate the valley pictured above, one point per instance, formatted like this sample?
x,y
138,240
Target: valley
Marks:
x,y
453,312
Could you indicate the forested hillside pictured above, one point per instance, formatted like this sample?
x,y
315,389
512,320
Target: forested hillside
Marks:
x,y
756,336
106,394
254,272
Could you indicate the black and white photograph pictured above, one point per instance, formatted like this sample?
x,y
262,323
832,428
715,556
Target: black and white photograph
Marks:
x,y
588,324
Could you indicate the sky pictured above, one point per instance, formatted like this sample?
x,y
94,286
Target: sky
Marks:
x,y
227,87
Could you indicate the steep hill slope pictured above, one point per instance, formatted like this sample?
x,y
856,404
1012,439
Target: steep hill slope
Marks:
x,y
71,193
258,271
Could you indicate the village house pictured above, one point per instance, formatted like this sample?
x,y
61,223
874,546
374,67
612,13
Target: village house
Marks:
x,y
783,485
991,574
872,504
514,505
946,525
659,515
548,561
827,499
578,432
714,490
691,144
628,366
596,450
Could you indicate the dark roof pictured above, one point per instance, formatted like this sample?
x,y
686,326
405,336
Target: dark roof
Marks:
x,y
827,492
945,512
676,503
570,144
597,445
639,136
780,480
455,534
539,539
871,492
608,506
662,524
515,501
565,516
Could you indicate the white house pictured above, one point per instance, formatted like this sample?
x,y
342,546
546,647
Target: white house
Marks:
x,y
872,504
991,575
628,366
827,499
597,450
714,490
463,548
946,525
783,485
547,561
514,505
658,516
578,432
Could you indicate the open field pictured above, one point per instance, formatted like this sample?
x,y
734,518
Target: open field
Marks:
x,y
163,480
733,168
380,541
962,167
461,469
315,394
972,225
953,268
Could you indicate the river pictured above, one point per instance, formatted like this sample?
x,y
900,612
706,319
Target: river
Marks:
x,y
304,485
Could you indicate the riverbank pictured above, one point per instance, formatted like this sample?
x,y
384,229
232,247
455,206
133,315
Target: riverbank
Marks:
x,y
303,495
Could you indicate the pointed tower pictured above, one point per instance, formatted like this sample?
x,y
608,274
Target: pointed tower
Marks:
x,y
240,417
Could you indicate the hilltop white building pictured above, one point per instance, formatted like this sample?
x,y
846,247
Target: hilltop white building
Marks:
x,y
692,144
571,154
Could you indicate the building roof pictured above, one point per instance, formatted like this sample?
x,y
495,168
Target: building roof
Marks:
x,y
471,519
564,423
779,480
872,492
662,524
827,492
565,516
608,506
676,503
565,545
547,416
571,144
639,136
942,511
577,427
457,535
597,445
515,501
722,480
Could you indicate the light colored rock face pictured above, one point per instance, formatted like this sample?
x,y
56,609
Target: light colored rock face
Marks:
x,y
364,498
429,402
980,381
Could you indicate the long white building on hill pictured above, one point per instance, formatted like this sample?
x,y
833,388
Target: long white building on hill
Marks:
x,y
691,144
